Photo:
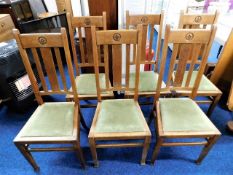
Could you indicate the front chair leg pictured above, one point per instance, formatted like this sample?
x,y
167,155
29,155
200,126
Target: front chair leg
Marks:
x,y
23,149
80,155
207,148
145,149
156,150
213,104
93,152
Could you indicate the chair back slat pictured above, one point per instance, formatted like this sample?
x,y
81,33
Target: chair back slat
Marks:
x,y
148,21
106,65
48,60
117,40
39,69
194,57
187,43
117,66
48,63
83,26
60,67
81,46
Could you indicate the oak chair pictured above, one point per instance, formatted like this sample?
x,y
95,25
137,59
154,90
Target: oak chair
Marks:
x,y
84,58
206,87
118,119
148,79
53,122
177,118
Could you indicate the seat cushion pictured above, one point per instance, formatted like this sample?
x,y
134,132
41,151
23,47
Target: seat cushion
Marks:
x,y
183,114
121,115
50,120
147,82
205,84
86,84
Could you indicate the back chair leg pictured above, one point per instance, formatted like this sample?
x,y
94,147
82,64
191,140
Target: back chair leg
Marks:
x,y
23,149
93,151
206,149
83,121
213,104
156,150
145,149
80,155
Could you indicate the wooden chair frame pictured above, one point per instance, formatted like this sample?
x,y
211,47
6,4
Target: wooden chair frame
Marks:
x,y
148,21
116,38
202,21
45,42
86,56
196,37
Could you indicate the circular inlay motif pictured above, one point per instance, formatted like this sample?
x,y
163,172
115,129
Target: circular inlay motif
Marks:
x,y
42,40
198,19
87,21
144,19
117,36
189,36
3,24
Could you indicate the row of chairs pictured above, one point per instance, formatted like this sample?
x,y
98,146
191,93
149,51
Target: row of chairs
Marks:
x,y
115,119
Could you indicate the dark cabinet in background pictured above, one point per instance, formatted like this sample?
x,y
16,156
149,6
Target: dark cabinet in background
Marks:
x,y
19,10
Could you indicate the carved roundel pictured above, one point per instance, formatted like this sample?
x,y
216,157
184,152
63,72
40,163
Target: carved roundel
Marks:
x,y
144,19
189,36
117,36
198,19
2,24
87,21
42,40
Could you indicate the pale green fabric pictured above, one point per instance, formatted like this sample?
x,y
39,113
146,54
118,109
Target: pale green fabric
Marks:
x,y
86,84
183,114
120,115
50,119
147,82
205,84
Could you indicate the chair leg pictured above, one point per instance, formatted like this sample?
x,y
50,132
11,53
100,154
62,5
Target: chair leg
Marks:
x,y
93,151
213,104
83,121
145,149
156,150
207,148
80,155
23,149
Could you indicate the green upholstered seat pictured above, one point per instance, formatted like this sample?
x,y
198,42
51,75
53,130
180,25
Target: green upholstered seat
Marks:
x,y
86,84
50,120
183,114
205,84
147,82
120,115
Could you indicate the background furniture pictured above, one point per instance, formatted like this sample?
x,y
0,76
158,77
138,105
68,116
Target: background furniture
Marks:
x,y
19,10
117,119
56,122
6,26
222,75
181,117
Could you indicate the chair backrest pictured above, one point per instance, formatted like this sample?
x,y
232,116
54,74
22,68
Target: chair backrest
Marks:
x,y
179,76
148,21
192,21
116,39
83,25
45,49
